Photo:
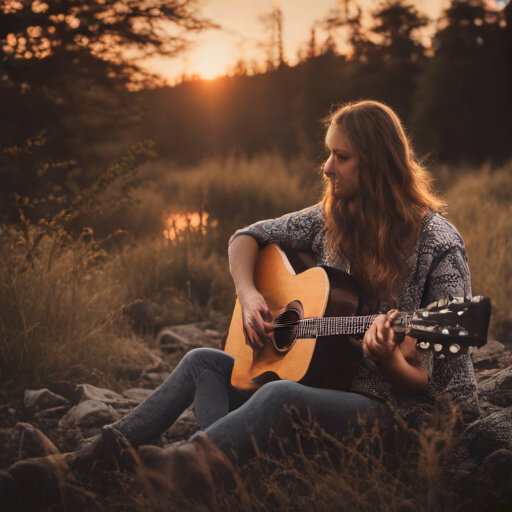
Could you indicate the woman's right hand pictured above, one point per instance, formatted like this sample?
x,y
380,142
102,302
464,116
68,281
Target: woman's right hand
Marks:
x,y
254,311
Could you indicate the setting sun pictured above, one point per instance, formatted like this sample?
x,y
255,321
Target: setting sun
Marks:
x,y
212,59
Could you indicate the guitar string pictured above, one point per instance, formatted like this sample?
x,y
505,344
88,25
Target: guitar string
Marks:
x,y
326,326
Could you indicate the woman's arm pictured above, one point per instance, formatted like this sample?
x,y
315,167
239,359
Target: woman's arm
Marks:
x,y
243,254
400,365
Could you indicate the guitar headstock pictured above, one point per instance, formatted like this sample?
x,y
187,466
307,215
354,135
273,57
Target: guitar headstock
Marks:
x,y
451,325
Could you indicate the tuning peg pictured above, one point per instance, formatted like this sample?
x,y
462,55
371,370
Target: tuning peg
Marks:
x,y
457,300
454,348
424,344
476,298
424,314
463,333
438,347
445,331
460,313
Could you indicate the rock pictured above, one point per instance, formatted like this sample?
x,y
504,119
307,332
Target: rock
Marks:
x,y
497,389
485,436
492,355
88,392
483,375
90,413
41,399
152,380
183,428
137,394
189,336
169,337
487,408
34,443
497,467
54,413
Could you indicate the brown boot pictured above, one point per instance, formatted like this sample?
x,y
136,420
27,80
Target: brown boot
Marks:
x,y
195,469
33,482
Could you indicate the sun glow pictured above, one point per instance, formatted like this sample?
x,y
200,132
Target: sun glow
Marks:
x,y
179,223
212,59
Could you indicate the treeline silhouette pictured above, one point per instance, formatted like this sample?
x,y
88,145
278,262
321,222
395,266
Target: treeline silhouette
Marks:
x,y
454,95
72,102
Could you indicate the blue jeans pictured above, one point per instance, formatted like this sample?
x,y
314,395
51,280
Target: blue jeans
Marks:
x,y
203,378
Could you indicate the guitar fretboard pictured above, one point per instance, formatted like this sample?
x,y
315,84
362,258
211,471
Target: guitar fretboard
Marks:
x,y
329,326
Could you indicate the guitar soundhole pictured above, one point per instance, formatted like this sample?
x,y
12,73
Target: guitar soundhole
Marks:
x,y
286,325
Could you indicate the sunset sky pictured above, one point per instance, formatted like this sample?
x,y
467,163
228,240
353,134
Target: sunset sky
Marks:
x,y
215,51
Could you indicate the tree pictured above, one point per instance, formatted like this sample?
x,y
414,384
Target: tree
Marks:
x,y
66,67
273,23
463,106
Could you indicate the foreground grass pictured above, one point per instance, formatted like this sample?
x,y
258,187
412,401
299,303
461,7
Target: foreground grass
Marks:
x,y
327,473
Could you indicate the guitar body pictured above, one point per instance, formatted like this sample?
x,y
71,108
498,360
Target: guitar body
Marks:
x,y
324,362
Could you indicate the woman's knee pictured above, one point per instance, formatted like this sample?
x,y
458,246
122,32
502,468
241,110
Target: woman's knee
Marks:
x,y
209,358
280,393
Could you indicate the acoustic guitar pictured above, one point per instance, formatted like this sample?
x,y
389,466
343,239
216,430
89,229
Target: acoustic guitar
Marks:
x,y
315,315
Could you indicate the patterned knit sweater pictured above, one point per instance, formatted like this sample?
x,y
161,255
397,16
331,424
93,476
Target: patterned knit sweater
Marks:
x,y
438,268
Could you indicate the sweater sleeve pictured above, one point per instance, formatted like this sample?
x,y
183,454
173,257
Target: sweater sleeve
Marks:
x,y
449,276
298,230
452,376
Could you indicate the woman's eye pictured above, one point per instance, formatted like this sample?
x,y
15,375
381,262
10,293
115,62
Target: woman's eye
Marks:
x,y
341,158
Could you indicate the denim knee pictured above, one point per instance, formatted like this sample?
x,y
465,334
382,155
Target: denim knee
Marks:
x,y
274,396
205,358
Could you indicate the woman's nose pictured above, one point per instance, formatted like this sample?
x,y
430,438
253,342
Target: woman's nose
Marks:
x,y
327,168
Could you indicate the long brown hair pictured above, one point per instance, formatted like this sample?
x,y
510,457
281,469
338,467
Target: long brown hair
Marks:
x,y
374,229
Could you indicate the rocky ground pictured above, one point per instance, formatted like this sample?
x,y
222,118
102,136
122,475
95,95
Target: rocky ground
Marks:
x,y
66,414
45,421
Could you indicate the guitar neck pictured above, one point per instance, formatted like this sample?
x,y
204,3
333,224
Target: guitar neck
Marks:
x,y
330,326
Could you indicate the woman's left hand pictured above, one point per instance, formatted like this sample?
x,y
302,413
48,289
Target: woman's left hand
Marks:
x,y
380,339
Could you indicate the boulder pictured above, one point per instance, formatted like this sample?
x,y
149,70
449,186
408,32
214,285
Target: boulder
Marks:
x,y
54,413
492,355
183,428
484,437
497,389
89,413
189,336
34,443
88,392
41,399
137,394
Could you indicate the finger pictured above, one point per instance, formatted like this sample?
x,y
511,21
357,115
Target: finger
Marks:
x,y
380,333
269,329
248,340
251,337
255,337
392,313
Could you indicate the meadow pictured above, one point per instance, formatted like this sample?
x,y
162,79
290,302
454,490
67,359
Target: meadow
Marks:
x,y
65,321
61,319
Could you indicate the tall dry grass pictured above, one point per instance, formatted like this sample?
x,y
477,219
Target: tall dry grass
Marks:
x,y
66,322
358,473
481,208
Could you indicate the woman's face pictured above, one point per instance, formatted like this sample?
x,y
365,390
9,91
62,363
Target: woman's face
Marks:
x,y
341,166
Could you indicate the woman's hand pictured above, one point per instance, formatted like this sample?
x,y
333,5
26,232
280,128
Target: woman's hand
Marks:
x,y
380,340
254,311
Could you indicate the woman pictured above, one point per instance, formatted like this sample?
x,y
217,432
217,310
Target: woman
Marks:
x,y
379,221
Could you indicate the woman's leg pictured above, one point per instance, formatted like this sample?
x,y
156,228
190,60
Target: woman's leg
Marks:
x,y
268,410
203,377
